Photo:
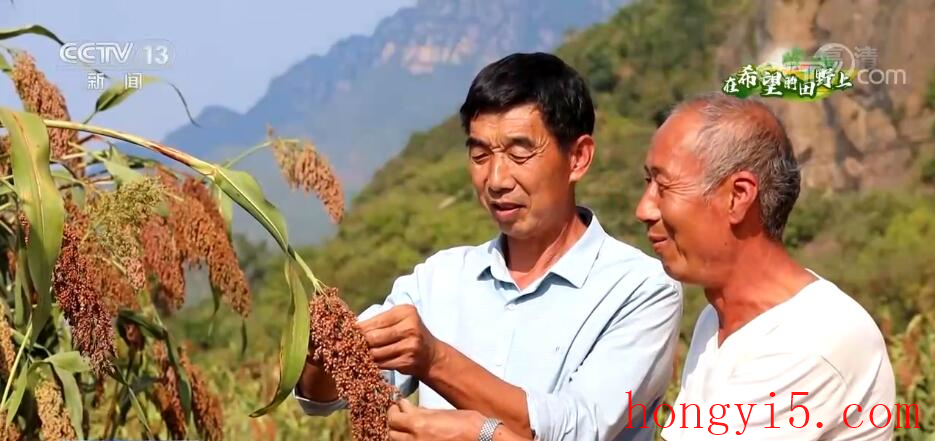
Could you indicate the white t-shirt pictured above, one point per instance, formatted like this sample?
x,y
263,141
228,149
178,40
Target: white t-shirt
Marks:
x,y
820,342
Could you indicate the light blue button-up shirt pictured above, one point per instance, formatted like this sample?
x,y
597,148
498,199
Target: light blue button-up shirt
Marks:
x,y
586,341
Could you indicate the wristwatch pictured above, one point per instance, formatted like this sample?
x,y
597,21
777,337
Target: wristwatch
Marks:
x,y
488,428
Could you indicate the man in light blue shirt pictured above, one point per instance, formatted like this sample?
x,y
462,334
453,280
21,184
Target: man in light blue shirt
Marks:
x,y
553,330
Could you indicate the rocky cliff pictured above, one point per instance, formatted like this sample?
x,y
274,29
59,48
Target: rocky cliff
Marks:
x,y
873,134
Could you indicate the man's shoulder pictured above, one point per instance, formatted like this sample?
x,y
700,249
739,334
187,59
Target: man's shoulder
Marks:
x,y
828,323
826,311
630,262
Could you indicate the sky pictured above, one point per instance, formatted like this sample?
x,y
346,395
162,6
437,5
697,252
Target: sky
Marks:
x,y
220,53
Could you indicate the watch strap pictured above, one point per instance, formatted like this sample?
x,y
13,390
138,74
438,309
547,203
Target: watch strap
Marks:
x,y
488,428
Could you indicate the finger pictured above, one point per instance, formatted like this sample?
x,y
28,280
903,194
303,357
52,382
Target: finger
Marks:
x,y
387,318
398,435
383,336
395,417
397,420
405,406
384,354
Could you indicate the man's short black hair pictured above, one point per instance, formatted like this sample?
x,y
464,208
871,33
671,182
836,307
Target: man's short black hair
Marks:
x,y
559,92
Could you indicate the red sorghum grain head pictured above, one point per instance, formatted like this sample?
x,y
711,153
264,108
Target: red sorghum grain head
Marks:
x,y
162,259
42,97
9,432
305,168
201,238
206,406
4,155
7,354
166,392
344,352
75,284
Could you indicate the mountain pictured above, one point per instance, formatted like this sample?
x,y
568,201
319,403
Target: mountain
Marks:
x,y
361,100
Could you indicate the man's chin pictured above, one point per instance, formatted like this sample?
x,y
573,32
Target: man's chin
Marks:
x,y
512,229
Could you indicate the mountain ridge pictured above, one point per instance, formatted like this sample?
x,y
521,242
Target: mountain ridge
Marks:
x,y
360,101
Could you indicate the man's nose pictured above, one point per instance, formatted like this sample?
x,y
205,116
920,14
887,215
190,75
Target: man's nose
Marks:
x,y
647,210
500,180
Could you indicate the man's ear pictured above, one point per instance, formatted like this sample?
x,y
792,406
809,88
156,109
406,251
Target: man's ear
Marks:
x,y
744,188
580,156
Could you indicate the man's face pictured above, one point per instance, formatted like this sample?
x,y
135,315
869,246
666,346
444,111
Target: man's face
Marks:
x,y
518,171
689,233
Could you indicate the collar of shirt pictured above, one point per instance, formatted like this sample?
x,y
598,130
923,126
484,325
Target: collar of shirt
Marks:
x,y
574,266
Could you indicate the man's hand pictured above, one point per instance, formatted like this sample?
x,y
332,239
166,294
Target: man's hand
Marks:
x,y
410,423
399,341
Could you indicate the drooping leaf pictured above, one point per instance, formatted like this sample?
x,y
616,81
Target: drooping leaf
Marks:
x,y
225,205
243,339
246,192
144,323
118,375
70,361
31,29
243,189
158,331
294,345
76,190
72,398
118,92
184,385
4,65
41,202
121,172
20,312
19,390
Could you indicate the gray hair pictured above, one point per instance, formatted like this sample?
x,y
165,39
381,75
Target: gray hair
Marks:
x,y
743,134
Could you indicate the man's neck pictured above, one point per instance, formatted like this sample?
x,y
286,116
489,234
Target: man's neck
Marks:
x,y
528,259
761,276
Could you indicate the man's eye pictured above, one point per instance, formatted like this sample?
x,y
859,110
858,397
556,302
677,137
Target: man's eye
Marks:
x,y
520,155
479,156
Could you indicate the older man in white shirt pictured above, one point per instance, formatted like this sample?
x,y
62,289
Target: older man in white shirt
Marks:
x,y
779,353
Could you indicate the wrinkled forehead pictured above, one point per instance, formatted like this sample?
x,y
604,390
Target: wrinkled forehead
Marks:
x,y
521,117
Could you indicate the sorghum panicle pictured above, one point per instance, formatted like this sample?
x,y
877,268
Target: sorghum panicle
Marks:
x,y
343,350
76,287
305,168
56,424
42,97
